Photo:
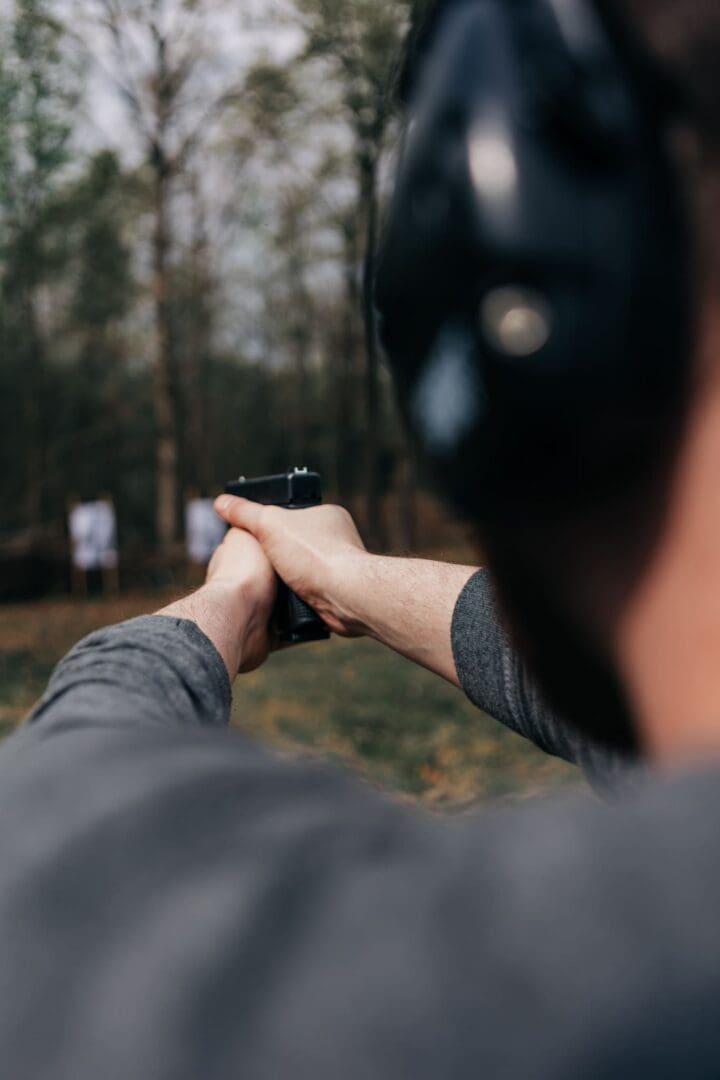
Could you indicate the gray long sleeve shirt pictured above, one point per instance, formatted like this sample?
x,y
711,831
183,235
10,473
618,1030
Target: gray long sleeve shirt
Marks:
x,y
177,902
495,679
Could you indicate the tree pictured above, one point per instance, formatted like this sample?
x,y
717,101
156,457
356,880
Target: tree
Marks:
x,y
295,177
192,304
195,302
163,69
361,42
37,80
96,211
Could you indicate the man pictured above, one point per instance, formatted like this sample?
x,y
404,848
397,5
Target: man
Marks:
x,y
177,902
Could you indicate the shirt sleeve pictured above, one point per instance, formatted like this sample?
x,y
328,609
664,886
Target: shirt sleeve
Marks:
x,y
494,678
152,671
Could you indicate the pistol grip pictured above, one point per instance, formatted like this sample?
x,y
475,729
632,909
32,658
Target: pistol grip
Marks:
x,y
295,621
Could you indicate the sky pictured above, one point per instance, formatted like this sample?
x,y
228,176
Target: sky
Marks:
x,y
239,32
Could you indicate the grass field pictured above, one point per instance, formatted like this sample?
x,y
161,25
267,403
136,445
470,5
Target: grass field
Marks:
x,y
402,727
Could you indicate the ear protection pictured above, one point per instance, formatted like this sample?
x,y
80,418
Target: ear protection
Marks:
x,y
532,282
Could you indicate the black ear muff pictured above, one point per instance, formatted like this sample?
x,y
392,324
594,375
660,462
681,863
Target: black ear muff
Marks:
x,y
532,284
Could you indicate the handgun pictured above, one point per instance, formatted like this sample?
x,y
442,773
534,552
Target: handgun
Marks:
x,y
294,622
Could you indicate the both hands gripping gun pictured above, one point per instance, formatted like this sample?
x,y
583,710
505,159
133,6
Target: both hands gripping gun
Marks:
x,y
294,623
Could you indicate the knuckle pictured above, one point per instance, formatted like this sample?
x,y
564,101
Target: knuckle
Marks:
x,y
269,517
336,511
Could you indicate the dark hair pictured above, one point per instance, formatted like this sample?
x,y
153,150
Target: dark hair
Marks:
x,y
564,577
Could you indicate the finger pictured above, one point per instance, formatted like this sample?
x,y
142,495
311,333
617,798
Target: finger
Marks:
x,y
241,513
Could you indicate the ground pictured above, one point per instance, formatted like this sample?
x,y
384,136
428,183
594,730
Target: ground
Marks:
x,y
404,728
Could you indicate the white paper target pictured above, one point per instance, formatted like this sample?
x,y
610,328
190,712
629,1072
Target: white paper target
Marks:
x,y
93,536
204,530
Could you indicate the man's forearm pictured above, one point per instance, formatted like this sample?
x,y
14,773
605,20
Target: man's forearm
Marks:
x,y
407,604
233,607
171,669
220,612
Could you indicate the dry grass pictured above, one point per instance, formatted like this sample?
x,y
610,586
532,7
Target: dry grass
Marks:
x,y
402,727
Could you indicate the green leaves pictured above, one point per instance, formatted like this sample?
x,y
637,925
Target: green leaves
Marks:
x,y
37,99
104,281
269,98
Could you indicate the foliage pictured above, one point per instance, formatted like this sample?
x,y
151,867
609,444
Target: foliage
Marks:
x,y
183,294
37,89
104,286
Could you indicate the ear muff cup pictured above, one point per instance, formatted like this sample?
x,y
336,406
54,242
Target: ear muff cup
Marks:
x,y
532,284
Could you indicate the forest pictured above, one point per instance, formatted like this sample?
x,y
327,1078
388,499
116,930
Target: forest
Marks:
x,y
191,201
191,197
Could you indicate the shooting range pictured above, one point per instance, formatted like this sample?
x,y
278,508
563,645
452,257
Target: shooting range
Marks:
x,y
191,199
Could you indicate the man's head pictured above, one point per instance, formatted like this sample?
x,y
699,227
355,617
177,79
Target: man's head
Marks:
x,y
567,587
568,556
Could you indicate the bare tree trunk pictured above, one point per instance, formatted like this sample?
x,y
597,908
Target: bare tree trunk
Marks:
x,y
407,503
373,439
165,381
200,374
35,457
155,94
299,405
345,342
301,339
344,471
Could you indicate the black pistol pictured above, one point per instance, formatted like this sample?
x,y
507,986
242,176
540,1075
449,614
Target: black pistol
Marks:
x,y
293,622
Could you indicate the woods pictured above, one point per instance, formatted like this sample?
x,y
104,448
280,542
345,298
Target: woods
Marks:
x,y
190,203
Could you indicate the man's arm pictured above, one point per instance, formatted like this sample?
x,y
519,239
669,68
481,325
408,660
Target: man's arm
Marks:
x,y
233,608
406,604
495,679
173,669
439,615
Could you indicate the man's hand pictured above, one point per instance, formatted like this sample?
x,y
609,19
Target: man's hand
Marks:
x,y
235,605
317,552
407,604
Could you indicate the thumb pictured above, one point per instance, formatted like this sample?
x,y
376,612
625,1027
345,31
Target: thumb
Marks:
x,y
241,513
